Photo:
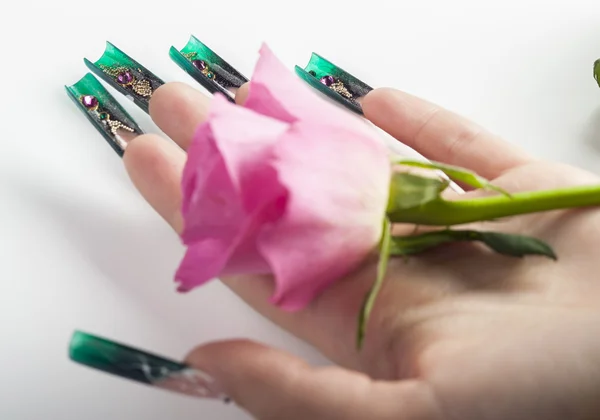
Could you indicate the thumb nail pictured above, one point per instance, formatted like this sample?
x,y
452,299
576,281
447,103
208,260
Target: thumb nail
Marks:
x,y
141,366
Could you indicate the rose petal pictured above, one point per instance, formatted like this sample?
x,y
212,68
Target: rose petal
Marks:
x,y
246,147
277,92
334,214
202,262
230,188
211,204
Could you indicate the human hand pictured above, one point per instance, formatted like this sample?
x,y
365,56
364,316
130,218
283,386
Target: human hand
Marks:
x,y
455,333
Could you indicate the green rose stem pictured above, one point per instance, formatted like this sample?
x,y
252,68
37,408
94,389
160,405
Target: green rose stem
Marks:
x,y
417,200
441,212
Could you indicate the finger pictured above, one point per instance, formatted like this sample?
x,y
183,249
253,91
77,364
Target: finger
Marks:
x,y
439,134
155,166
272,384
242,94
178,109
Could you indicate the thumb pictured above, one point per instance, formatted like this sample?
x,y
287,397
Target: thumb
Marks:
x,y
272,384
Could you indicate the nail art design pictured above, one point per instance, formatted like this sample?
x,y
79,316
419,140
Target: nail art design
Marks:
x,y
104,112
334,82
126,75
207,68
140,366
597,71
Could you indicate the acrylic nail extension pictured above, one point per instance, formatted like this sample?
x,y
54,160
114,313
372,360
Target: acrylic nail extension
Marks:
x,y
207,68
334,82
126,75
140,366
104,112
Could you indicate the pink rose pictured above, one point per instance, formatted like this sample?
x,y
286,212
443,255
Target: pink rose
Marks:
x,y
288,185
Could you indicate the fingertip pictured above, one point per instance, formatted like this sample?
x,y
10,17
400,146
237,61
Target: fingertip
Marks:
x,y
175,95
163,95
242,94
138,150
380,100
252,374
246,360
178,109
376,94
225,349
150,148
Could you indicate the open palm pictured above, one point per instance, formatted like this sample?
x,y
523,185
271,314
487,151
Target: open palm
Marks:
x,y
457,333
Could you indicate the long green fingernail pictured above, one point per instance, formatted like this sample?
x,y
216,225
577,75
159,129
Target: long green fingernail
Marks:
x,y
140,366
597,71
334,82
104,112
207,68
126,75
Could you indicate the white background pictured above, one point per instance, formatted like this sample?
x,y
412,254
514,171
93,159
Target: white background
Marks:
x,y
80,249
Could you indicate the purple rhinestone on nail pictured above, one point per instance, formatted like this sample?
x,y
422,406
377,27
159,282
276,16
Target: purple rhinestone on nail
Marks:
x,y
89,101
125,78
199,64
328,80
